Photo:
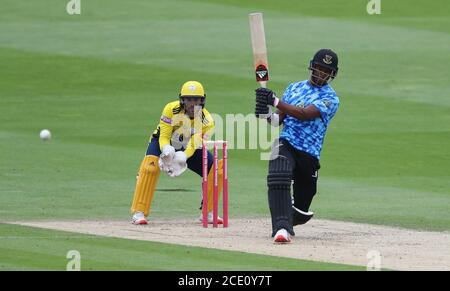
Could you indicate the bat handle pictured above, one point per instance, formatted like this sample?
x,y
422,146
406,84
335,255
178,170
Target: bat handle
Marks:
x,y
263,84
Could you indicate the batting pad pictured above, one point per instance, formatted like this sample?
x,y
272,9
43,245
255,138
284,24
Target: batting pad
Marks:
x,y
145,185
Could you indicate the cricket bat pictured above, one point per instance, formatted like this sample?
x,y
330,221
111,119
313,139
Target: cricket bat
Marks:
x,y
259,48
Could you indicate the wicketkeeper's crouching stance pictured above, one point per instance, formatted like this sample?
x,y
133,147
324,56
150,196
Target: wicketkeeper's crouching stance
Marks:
x,y
174,146
305,112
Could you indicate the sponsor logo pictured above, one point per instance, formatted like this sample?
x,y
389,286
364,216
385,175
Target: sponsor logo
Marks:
x,y
166,119
262,74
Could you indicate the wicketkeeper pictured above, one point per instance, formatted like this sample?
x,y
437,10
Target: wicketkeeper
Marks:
x,y
305,111
174,146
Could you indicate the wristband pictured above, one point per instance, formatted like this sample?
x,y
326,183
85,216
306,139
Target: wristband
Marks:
x,y
276,101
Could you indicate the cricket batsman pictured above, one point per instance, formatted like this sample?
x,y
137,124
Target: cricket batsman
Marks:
x,y
305,111
174,146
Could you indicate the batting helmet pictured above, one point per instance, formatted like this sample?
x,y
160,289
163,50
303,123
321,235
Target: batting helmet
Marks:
x,y
326,58
192,89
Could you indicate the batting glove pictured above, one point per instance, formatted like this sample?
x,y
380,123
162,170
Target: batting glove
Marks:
x,y
266,97
261,111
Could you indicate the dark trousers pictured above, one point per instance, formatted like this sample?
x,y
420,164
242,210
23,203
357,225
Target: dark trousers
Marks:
x,y
288,164
304,168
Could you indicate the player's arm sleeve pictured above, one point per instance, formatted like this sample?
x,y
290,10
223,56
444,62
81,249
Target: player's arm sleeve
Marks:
x,y
327,106
197,139
165,127
287,92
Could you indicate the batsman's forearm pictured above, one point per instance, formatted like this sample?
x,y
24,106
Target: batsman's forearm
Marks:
x,y
300,113
281,116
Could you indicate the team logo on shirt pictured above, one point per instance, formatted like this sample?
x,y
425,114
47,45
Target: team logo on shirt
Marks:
x,y
301,104
328,59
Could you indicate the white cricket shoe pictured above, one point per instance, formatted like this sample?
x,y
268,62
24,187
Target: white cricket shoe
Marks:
x,y
139,219
210,218
282,236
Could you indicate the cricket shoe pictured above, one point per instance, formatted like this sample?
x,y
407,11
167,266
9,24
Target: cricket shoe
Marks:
x,y
139,219
210,218
282,237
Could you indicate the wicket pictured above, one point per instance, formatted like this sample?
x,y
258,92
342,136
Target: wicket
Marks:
x,y
215,182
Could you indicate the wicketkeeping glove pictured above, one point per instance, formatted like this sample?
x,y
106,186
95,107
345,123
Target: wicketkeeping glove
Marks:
x,y
167,152
179,164
165,159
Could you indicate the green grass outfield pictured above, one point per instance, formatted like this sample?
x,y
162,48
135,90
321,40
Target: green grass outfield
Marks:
x,y
99,81
27,248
